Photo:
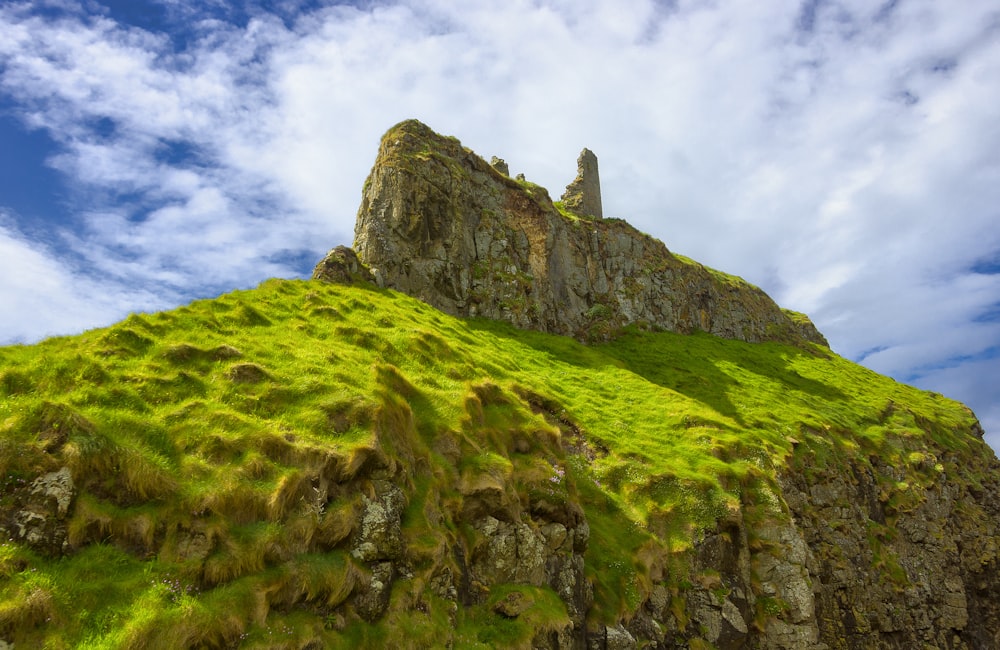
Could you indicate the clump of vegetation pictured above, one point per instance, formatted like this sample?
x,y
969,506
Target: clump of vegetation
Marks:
x,y
204,442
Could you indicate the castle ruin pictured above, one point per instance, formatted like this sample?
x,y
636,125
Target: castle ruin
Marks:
x,y
583,195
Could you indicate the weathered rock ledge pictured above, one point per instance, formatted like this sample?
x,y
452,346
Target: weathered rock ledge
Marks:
x,y
440,223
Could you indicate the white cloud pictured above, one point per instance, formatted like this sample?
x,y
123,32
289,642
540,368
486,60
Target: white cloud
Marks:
x,y
847,161
967,380
43,295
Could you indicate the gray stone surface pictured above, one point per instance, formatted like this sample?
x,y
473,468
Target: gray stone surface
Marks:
x,y
41,513
342,266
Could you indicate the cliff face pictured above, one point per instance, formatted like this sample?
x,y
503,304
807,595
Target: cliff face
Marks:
x,y
893,547
918,568
439,223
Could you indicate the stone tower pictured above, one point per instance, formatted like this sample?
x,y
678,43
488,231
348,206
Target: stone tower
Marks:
x,y
583,195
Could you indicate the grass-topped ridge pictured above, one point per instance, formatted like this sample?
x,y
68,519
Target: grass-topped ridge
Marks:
x,y
221,454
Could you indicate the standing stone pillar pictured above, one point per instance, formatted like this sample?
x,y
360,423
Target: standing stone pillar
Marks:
x,y
583,195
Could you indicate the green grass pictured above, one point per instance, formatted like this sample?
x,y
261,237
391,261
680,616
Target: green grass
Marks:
x,y
220,420
723,277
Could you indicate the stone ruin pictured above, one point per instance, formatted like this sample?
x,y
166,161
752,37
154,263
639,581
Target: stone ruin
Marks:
x,y
583,195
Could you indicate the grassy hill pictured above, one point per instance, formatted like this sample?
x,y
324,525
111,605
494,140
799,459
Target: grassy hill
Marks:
x,y
220,455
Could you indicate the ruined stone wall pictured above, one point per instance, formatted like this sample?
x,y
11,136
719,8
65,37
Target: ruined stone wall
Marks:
x,y
583,195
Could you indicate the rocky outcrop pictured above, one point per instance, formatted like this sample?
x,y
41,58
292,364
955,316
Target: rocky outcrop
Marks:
x,y
500,165
438,222
542,553
379,544
342,266
37,513
903,557
836,558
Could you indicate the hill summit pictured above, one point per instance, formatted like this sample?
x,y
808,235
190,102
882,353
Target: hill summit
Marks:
x,y
336,464
440,223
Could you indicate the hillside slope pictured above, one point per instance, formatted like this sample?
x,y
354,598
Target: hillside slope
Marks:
x,y
308,465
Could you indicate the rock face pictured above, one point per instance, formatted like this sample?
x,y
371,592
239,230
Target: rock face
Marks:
x,y
500,165
927,574
39,515
438,222
829,562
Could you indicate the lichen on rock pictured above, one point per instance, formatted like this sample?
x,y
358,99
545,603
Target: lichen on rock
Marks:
x,y
39,517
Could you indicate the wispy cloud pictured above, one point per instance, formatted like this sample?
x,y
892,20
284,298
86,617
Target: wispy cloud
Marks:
x,y
149,137
843,155
44,294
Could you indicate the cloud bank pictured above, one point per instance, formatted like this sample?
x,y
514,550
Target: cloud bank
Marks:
x,y
843,155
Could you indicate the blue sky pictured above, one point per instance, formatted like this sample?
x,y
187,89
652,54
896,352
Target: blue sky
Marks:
x,y
842,154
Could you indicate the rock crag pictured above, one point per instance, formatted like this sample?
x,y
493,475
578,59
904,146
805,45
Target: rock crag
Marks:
x,y
440,223
843,551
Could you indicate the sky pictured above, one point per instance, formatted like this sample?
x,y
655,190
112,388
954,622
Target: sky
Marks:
x,y
844,155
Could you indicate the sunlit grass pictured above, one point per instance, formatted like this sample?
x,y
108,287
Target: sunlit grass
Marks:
x,y
219,424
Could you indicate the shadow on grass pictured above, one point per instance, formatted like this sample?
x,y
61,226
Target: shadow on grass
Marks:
x,y
697,366
693,365
689,364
